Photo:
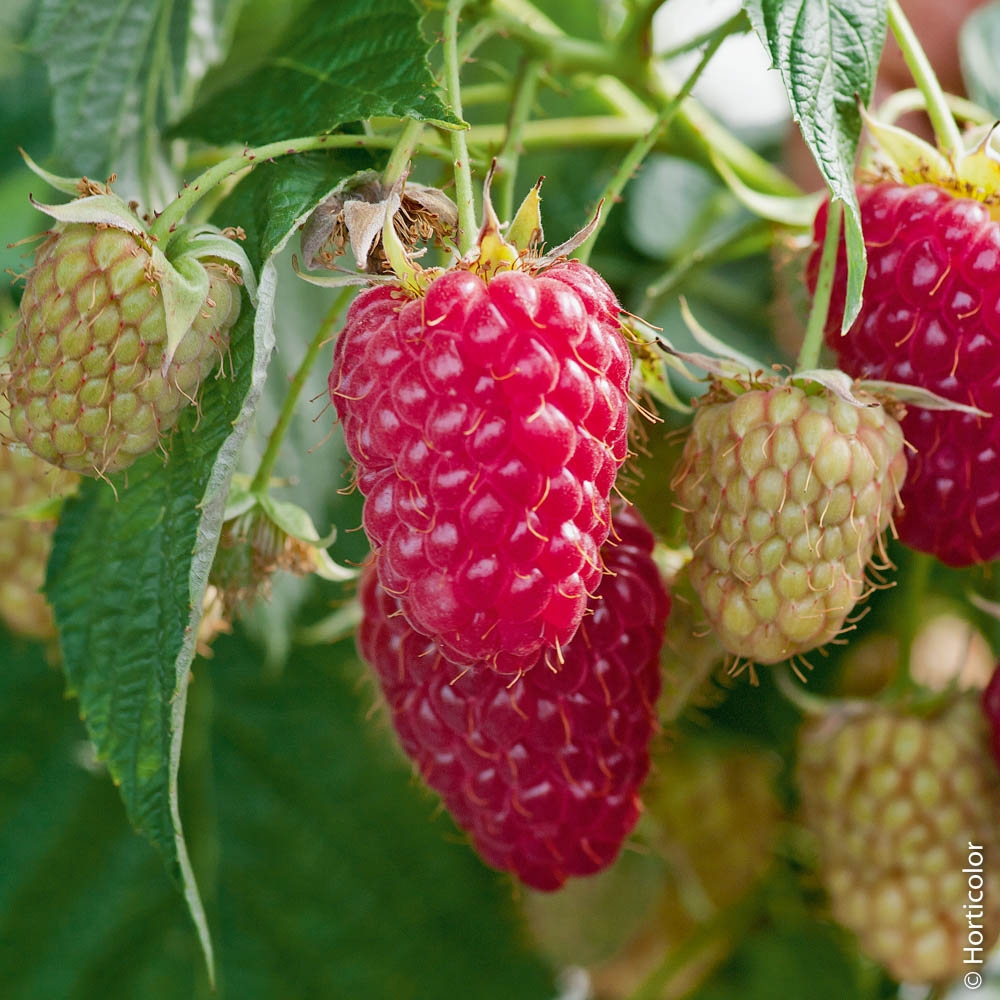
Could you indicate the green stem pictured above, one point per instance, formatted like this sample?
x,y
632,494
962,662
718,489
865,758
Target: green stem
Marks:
x,y
704,137
900,102
752,237
641,149
793,692
726,925
262,477
520,112
694,133
399,161
464,197
637,32
706,36
946,132
473,38
174,213
812,344
557,133
523,22
486,93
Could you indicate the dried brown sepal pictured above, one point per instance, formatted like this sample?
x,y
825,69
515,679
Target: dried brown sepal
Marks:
x,y
426,216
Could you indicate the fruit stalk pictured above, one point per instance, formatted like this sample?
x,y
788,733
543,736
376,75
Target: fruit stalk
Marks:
x,y
205,183
399,161
812,343
520,112
464,197
917,578
945,130
264,469
645,143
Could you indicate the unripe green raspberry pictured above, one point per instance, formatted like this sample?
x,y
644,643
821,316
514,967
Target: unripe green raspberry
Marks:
x,y
906,810
786,493
24,544
88,390
715,807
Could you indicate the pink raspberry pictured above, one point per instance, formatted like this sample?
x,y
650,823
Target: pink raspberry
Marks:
x,y
488,420
931,318
543,772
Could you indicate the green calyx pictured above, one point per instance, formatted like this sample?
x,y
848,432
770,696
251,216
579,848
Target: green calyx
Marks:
x,y
262,535
971,172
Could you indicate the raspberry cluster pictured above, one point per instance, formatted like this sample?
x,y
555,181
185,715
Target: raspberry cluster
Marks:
x,y
543,772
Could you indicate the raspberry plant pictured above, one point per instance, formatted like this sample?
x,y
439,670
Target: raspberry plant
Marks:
x,y
348,471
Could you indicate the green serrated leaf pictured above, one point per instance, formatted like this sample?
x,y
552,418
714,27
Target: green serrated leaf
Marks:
x,y
978,43
128,643
339,63
827,52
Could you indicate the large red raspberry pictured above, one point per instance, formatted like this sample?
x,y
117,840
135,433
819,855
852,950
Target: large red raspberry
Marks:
x,y
931,318
488,420
543,772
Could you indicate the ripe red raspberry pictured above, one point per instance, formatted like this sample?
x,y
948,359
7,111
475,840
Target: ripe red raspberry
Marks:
x,y
488,420
543,772
931,318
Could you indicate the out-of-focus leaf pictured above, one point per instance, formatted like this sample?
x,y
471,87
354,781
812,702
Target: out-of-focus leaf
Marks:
x,y
86,909
117,70
335,878
128,641
827,52
978,44
339,63
328,872
808,962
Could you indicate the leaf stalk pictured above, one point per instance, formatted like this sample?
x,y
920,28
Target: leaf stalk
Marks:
x,y
812,344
